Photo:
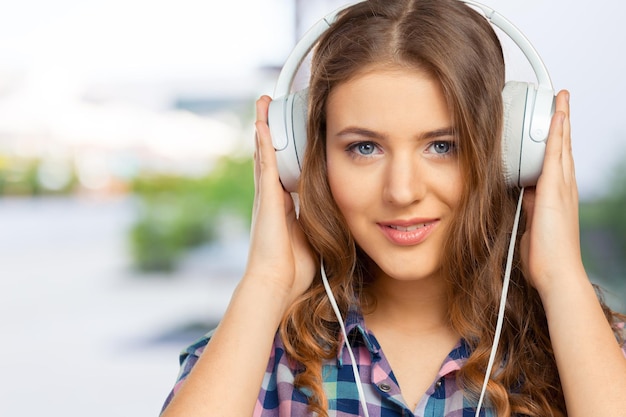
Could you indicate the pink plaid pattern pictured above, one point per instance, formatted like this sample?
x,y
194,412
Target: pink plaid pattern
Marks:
x,y
279,398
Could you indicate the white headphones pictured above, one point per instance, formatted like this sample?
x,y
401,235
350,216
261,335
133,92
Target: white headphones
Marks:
x,y
528,109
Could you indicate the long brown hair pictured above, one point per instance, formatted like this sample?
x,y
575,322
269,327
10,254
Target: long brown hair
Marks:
x,y
457,47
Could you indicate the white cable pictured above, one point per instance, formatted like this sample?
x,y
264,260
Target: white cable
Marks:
x,y
355,370
499,323
505,290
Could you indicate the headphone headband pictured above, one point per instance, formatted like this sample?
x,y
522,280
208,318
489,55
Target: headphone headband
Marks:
x,y
528,108
310,38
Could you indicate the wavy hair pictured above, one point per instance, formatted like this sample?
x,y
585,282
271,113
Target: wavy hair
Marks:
x,y
457,47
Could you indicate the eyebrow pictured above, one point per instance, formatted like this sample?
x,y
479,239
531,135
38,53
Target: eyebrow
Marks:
x,y
370,134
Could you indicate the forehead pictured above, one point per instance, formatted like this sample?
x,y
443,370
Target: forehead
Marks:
x,y
400,100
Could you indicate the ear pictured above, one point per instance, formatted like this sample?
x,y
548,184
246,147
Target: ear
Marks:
x,y
287,119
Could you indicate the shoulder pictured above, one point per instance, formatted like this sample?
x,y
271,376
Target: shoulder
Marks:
x,y
188,358
280,367
190,354
277,382
195,349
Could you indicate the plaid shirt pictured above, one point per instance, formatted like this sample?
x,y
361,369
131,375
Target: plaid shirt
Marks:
x,y
279,397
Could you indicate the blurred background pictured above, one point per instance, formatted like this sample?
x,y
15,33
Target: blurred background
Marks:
x,y
126,177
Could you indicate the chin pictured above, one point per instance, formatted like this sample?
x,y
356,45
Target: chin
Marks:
x,y
409,274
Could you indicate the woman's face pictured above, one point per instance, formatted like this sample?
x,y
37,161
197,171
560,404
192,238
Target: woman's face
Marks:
x,y
393,168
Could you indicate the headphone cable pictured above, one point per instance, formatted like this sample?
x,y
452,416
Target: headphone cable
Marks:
x,y
355,370
505,290
499,323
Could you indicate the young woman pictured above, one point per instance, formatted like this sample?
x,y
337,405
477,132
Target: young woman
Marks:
x,y
403,198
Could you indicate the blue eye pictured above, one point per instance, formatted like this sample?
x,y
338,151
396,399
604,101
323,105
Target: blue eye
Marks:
x,y
442,147
365,148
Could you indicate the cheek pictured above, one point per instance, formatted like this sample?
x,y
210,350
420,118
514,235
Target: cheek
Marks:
x,y
346,187
451,186
338,180
452,199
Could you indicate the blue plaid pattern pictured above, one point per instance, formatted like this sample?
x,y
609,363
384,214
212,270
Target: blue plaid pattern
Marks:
x,y
279,398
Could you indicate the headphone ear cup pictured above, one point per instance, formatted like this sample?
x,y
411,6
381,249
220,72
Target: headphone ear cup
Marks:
x,y
514,108
287,117
527,115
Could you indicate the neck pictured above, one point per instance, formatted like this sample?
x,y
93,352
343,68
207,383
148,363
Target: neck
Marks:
x,y
419,306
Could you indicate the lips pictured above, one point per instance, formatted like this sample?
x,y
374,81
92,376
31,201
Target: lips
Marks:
x,y
407,228
408,233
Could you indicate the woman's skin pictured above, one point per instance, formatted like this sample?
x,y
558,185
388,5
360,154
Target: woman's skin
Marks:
x,y
226,379
394,173
591,365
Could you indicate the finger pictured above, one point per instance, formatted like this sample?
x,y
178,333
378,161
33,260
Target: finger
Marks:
x,y
265,148
562,104
552,165
256,156
262,106
568,155
261,118
257,167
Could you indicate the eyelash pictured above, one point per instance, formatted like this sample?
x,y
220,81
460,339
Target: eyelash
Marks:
x,y
352,149
451,151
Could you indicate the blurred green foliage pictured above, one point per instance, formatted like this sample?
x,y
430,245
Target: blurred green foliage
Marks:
x,y
177,213
27,176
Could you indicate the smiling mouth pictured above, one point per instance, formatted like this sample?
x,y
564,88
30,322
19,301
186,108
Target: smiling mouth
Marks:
x,y
408,234
408,228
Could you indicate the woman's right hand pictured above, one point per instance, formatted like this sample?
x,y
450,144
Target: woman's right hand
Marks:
x,y
280,255
281,266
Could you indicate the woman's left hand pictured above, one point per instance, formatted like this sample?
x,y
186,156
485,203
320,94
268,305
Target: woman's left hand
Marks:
x,y
591,365
550,245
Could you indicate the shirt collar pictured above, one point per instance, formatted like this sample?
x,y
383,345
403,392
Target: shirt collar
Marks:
x,y
455,359
359,335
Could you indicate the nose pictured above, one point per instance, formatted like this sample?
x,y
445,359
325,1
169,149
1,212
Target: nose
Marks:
x,y
403,184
